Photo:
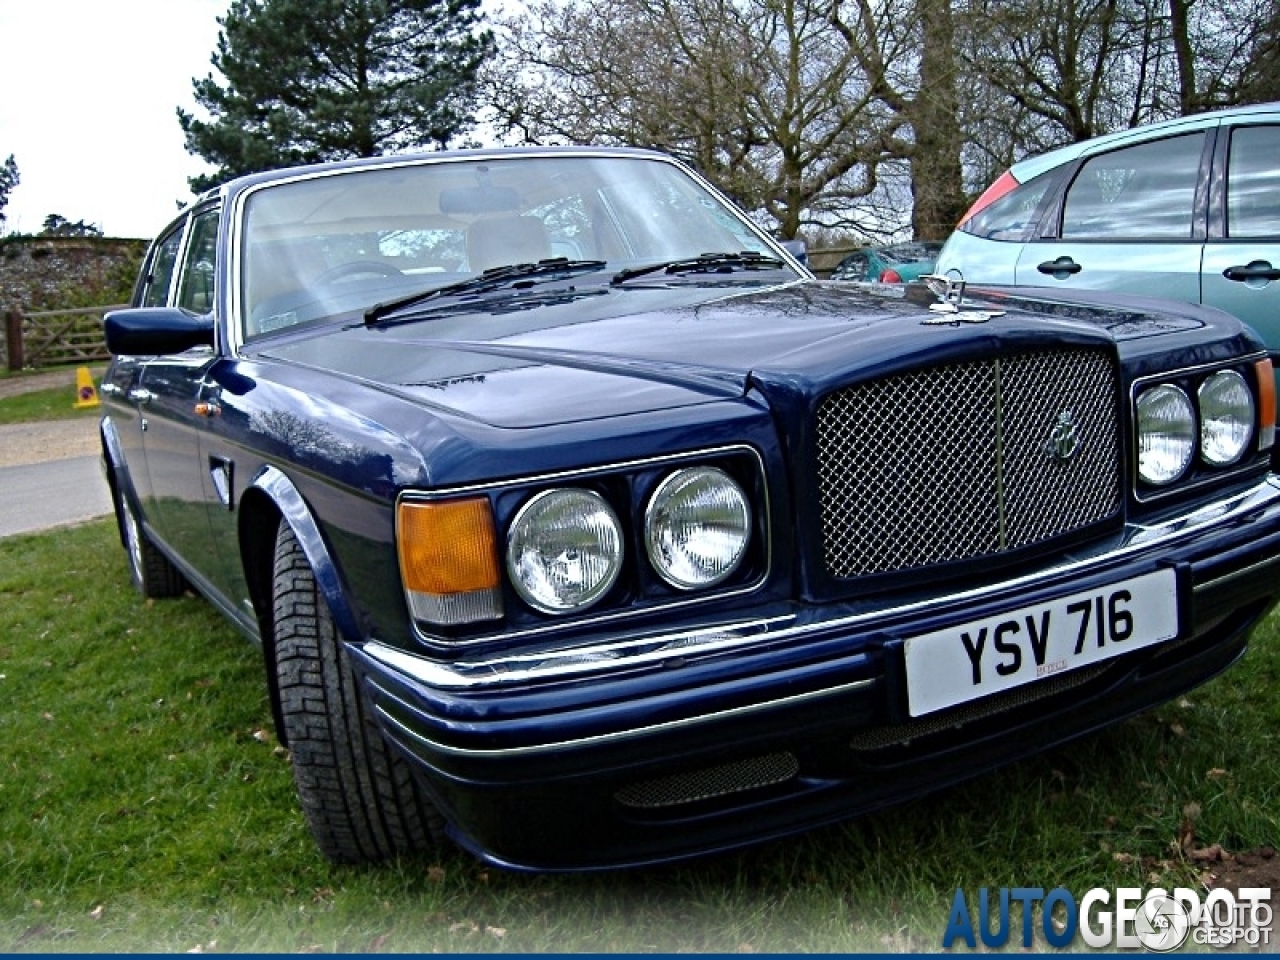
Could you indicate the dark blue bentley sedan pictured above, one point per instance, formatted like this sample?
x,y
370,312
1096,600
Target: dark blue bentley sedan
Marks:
x,y
577,521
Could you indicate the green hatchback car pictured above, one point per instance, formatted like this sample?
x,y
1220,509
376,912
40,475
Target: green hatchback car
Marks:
x,y
1187,209
895,263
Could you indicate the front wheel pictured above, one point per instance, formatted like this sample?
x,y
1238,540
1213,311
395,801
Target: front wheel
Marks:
x,y
359,797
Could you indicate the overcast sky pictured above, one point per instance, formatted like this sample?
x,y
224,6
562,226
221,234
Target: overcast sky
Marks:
x,y
89,91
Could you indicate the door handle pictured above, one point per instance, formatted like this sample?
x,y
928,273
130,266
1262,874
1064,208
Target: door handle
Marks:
x,y
1258,270
140,395
1060,268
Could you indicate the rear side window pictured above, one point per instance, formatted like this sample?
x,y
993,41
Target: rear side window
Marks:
x,y
1014,216
1143,192
1253,183
854,267
195,288
155,291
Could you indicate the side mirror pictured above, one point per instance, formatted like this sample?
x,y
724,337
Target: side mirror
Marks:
x,y
154,331
798,249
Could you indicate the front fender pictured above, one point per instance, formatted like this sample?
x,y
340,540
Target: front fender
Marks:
x,y
280,490
116,471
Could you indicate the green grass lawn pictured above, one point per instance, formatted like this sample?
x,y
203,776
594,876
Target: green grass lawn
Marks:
x,y
57,403
144,806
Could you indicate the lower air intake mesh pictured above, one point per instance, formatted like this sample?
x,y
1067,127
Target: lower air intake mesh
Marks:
x,y
710,782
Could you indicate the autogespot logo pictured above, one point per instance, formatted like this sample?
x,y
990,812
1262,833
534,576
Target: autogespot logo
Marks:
x,y
1126,918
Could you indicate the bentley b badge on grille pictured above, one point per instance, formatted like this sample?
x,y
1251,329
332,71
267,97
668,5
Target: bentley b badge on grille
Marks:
x,y
1064,438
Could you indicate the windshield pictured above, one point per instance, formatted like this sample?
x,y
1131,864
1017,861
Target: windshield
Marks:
x,y
343,241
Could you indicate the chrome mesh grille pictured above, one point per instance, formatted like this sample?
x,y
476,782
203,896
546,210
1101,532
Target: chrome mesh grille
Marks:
x,y
717,781
951,463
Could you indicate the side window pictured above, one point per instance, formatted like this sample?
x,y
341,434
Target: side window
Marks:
x,y
195,287
1253,183
855,268
155,291
1143,192
1014,216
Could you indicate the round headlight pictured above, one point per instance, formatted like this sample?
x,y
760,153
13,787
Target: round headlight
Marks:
x,y
1226,418
1166,434
564,550
697,527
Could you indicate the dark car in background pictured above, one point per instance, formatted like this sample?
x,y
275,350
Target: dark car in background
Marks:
x,y
578,522
1187,209
894,263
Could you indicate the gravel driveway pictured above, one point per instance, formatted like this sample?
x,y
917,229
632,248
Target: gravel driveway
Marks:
x,y
50,472
24,443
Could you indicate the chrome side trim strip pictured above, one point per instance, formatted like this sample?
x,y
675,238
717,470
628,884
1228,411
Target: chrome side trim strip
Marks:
x,y
1237,574
613,653
568,661
620,735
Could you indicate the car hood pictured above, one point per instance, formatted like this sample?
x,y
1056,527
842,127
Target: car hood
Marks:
x,y
529,360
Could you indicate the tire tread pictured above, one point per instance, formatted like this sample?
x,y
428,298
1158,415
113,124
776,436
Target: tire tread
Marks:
x,y
359,797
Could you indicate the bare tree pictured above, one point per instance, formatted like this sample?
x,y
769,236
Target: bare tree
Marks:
x,y
1057,61
1260,76
1069,70
864,116
1230,52
761,96
934,112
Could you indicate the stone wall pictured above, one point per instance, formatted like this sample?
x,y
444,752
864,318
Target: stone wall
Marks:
x,y
62,273
59,273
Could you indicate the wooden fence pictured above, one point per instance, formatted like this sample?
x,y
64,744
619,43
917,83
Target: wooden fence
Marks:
x,y
55,337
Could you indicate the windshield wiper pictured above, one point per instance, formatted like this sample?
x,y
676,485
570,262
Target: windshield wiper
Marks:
x,y
703,263
495,278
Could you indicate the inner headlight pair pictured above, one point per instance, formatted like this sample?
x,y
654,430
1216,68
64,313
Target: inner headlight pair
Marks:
x,y
565,548
1167,426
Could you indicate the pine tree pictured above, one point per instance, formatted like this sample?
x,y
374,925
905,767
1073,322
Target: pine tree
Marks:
x,y
8,180
314,80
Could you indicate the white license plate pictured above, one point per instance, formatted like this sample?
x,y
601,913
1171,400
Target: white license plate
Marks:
x,y
983,657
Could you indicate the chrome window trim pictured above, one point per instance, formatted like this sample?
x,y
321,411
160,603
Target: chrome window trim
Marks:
x,y
148,263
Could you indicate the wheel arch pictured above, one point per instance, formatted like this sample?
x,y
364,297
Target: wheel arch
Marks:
x,y
272,498
116,468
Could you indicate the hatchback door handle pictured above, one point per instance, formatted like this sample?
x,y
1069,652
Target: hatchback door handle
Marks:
x,y
1259,270
1061,268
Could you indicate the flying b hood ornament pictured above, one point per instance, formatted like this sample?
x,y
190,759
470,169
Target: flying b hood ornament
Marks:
x,y
951,311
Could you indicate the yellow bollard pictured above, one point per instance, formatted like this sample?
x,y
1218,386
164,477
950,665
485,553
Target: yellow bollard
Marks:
x,y
86,392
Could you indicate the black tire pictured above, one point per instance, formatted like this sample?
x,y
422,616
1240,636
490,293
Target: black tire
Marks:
x,y
359,797
152,573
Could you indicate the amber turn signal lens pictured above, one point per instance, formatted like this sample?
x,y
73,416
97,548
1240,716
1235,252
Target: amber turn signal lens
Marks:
x,y
447,546
1266,404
